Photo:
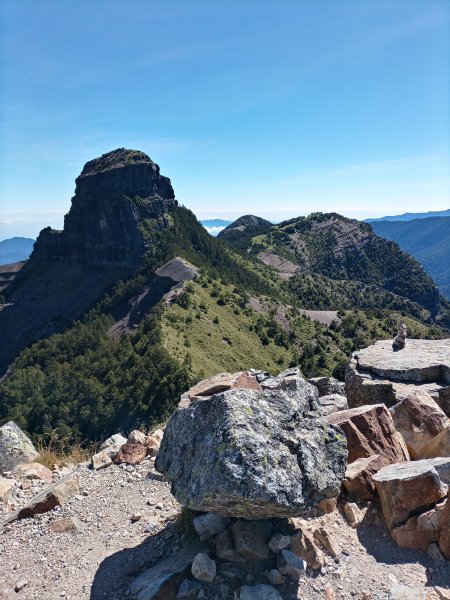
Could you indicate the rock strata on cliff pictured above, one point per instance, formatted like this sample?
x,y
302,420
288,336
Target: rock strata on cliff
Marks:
x,y
102,242
113,194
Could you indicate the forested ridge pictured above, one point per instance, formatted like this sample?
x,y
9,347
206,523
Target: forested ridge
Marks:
x,y
86,385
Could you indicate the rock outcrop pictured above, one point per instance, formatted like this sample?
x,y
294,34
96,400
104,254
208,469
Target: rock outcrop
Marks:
x,y
378,374
328,385
103,241
253,454
113,194
15,447
419,420
406,489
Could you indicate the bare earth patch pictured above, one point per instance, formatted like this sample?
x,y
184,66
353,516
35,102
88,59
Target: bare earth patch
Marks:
x,y
127,521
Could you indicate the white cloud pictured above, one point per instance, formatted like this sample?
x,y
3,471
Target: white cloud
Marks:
x,y
214,230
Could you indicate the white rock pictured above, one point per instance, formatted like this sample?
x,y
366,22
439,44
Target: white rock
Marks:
x,y
203,568
15,447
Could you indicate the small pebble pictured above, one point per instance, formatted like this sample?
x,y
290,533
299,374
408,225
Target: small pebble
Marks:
x,y
20,585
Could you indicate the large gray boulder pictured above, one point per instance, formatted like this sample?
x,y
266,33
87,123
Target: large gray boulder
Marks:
x,y
15,447
253,454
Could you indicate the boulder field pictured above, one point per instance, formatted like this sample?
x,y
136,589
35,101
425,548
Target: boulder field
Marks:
x,y
270,474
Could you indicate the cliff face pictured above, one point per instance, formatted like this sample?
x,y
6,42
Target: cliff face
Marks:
x,y
101,243
114,193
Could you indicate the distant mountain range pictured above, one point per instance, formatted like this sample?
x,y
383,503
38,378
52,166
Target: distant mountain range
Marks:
x,y
412,216
15,249
428,240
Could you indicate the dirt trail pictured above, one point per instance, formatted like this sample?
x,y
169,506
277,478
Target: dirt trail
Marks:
x,y
110,551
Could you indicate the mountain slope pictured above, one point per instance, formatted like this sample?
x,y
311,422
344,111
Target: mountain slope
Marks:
x,y
428,240
15,249
412,216
340,262
239,233
102,326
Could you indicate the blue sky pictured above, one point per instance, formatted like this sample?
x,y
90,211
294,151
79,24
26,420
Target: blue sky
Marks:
x,y
277,108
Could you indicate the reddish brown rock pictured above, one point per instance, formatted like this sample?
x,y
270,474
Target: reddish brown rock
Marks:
x,y
132,454
432,526
327,540
56,494
35,470
66,525
370,430
153,442
358,477
419,420
219,383
354,514
409,488
328,505
439,445
304,546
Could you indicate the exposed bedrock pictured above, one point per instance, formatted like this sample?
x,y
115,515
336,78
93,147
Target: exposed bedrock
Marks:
x,y
379,374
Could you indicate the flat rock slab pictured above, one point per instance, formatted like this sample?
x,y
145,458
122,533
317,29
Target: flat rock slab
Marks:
x,y
51,496
421,361
379,374
153,583
219,383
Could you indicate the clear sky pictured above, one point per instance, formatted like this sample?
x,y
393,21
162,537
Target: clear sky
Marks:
x,y
277,108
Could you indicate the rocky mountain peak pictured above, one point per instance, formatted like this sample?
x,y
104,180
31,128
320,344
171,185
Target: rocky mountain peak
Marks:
x,y
116,159
122,172
245,223
113,194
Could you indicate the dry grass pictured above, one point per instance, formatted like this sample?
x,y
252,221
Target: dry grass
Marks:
x,y
55,449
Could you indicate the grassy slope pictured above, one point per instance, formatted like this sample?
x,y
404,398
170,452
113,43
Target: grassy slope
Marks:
x,y
214,329
219,337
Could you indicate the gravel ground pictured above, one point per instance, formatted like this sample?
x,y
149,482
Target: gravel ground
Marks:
x,y
102,559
